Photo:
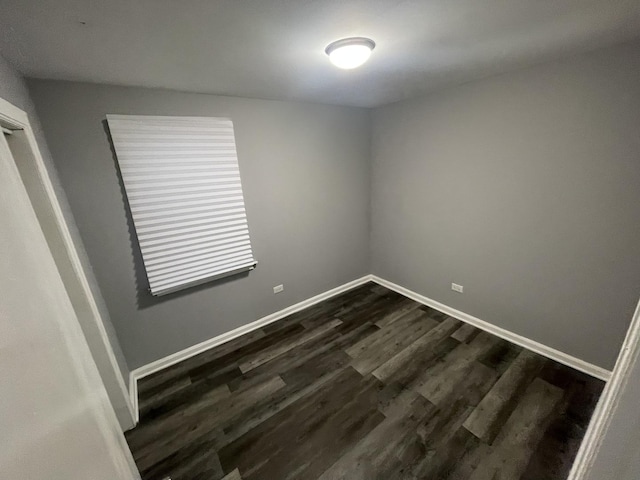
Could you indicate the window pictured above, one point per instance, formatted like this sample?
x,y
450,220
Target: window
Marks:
x,y
182,180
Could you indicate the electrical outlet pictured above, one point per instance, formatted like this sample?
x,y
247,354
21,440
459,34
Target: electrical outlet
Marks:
x,y
457,288
278,288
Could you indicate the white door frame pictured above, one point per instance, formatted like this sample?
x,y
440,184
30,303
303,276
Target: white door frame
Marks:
x,y
609,400
17,119
55,417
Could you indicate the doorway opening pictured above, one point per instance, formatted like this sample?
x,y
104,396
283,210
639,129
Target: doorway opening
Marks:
x,y
37,181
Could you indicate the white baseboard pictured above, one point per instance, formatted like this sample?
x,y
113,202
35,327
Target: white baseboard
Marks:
x,y
194,350
553,354
527,343
133,398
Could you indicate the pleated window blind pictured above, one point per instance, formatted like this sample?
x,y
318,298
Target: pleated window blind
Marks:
x,y
182,181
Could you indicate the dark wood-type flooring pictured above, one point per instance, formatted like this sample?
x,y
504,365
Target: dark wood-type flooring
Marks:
x,y
365,385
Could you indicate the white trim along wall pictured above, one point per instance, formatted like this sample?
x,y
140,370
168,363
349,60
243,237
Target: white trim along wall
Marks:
x,y
529,344
178,357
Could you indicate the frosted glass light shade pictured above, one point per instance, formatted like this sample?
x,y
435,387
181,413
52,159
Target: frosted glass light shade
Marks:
x,y
350,53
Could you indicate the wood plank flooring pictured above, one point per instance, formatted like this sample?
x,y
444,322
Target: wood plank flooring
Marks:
x,y
365,385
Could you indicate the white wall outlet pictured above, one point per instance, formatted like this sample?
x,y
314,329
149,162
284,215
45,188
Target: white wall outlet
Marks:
x,y
278,288
457,288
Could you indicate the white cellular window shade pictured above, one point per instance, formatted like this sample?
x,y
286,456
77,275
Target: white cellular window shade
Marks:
x,y
182,180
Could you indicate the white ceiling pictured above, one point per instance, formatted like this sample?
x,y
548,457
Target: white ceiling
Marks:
x,y
275,48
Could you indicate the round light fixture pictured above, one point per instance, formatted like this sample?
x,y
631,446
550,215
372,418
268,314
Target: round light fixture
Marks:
x,y
350,52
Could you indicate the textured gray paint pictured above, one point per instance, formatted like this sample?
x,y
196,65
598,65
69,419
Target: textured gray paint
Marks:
x,y
305,174
524,188
14,89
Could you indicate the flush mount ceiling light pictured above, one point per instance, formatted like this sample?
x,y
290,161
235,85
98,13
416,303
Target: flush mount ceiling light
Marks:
x,y
350,53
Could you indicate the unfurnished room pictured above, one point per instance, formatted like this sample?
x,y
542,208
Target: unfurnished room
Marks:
x,y
320,240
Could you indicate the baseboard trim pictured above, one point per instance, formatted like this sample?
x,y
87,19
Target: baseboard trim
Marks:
x,y
133,398
553,354
194,350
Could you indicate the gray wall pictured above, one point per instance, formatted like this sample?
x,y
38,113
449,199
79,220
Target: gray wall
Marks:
x,y
305,174
13,89
524,188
